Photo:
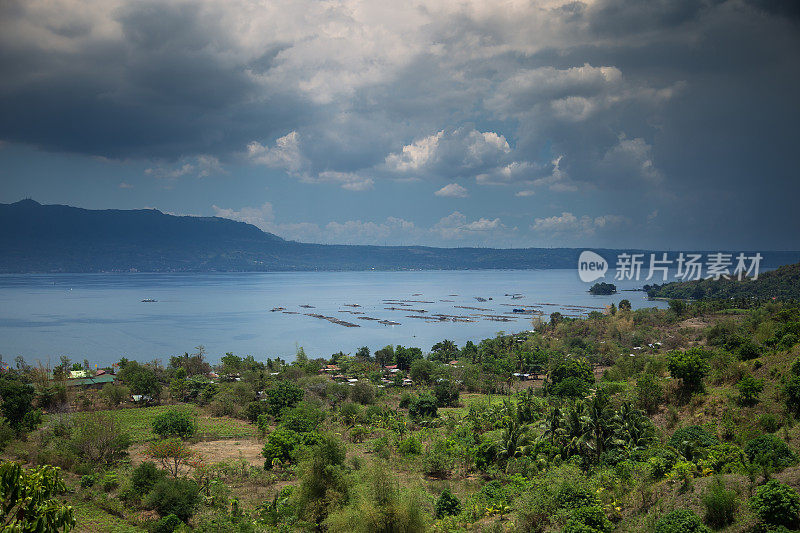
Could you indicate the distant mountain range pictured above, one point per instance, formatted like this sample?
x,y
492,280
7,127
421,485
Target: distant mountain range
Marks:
x,y
59,238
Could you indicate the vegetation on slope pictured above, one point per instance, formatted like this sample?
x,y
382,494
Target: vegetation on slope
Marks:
x,y
649,420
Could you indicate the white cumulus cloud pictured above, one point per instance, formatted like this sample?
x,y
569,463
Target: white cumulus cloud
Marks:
x,y
452,190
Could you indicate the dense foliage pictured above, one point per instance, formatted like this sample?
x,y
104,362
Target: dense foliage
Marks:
x,y
680,419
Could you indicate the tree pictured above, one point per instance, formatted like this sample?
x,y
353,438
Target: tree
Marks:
x,y
114,394
363,354
447,505
405,356
193,364
777,504
423,407
322,482
677,306
421,371
749,389
690,367
648,393
284,394
470,352
572,378
16,401
28,500
171,453
385,355
624,305
175,423
444,351
179,497
141,379
600,424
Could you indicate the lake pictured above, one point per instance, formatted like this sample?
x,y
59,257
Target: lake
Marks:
x,y
101,317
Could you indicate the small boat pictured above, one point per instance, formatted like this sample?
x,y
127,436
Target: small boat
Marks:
x,y
148,300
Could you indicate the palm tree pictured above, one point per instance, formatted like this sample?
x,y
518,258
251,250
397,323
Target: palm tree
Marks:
x,y
552,424
599,424
634,430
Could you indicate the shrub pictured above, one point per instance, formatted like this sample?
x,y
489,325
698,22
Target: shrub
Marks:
x,y
438,461
690,367
578,373
694,434
405,400
17,401
769,450
747,351
571,387
749,389
720,504
769,423
447,505
174,496
110,481
410,446
681,521
98,440
284,394
322,481
175,423
363,393
145,476
446,393
787,341
168,524
791,393
648,393
255,409
358,434
423,407
573,496
114,394
381,448
776,504
280,445
725,458
88,481
302,418
349,412
589,519
6,434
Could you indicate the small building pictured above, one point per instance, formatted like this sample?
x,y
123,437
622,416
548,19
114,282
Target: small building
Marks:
x,y
92,382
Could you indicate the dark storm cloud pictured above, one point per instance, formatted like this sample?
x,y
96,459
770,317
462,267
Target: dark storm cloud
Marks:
x,y
670,101
163,89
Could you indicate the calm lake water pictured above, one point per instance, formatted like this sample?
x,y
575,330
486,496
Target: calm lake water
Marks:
x,y
101,317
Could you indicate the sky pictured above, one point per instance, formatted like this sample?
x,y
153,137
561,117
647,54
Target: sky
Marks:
x,y
667,124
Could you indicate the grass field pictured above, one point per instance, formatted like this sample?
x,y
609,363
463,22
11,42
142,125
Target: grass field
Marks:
x,y
138,423
92,519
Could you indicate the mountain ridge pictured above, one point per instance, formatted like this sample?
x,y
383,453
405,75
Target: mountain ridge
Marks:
x,y
36,237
